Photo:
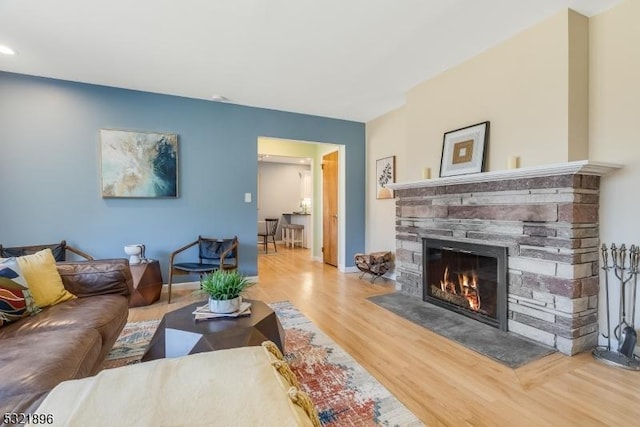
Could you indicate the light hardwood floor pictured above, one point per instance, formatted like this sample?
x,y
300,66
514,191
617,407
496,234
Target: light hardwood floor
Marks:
x,y
441,382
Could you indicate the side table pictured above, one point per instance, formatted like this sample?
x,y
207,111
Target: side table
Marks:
x,y
147,283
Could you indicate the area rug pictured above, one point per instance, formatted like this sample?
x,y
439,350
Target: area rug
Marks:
x,y
507,348
131,343
342,390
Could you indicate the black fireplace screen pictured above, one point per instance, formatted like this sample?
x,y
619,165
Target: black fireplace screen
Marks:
x,y
467,278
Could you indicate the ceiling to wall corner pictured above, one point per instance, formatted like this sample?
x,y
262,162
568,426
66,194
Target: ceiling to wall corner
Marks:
x,y
351,60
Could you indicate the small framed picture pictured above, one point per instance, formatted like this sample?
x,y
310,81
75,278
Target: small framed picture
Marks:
x,y
463,150
385,174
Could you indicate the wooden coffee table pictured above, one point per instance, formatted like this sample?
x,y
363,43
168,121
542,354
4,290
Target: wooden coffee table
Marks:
x,y
179,334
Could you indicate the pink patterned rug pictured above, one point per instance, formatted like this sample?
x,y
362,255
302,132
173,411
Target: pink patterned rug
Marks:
x,y
342,390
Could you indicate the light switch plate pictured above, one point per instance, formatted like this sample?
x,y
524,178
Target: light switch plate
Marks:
x,y
247,197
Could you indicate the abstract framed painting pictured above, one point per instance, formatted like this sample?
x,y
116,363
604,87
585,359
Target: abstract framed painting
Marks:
x,y
385,174
463,150
138,164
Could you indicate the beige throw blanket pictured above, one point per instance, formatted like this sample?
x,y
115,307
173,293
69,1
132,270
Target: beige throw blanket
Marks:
x,y
236,387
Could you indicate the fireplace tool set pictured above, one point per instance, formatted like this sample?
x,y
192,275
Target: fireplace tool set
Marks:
x,y
624,265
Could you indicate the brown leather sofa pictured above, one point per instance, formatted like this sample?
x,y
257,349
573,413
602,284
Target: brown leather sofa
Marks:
x,y
67,341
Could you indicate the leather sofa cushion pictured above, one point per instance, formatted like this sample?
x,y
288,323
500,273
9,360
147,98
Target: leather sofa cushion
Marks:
x,y
39,361
96,277
105,313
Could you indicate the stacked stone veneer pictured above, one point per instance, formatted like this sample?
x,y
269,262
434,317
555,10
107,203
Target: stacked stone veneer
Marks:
x,y
550,226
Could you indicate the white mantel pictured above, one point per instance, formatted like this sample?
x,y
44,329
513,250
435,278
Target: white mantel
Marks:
x,y
583,167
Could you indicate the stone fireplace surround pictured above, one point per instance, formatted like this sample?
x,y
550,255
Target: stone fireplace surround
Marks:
x,y
546,216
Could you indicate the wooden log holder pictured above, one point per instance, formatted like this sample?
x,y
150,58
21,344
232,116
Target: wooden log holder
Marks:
x,y
376,264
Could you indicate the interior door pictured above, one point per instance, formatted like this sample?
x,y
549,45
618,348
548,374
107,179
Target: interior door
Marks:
x,y
330,208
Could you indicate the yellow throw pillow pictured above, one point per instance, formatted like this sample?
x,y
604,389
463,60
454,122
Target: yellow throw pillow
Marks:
x,y
43,279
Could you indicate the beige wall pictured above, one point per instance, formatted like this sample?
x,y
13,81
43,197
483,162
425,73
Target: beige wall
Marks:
x,y
520,86
562,90
614,126
385,137
578,109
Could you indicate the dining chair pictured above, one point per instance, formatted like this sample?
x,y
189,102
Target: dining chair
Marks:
x,y
271,225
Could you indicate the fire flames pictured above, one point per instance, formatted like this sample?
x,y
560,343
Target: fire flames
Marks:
x,y
467,287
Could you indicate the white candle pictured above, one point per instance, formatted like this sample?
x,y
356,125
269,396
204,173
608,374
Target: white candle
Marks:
x,y
426,173
513,162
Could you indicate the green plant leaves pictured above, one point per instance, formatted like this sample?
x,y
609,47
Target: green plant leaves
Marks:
x,y
224,285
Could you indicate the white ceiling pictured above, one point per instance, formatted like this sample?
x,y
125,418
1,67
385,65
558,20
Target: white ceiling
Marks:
x,y
349,59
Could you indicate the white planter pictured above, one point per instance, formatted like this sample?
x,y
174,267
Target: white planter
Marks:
x,y
224,306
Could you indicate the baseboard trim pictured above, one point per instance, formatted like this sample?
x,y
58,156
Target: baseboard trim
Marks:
x,y
196,285
184,285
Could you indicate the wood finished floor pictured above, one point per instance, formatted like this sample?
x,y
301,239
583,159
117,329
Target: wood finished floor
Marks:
x,y
441,382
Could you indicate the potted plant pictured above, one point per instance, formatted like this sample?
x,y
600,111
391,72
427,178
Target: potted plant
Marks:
x,y
225,289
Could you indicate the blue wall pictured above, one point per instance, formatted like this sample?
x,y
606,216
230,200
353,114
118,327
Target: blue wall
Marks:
x,y
49,168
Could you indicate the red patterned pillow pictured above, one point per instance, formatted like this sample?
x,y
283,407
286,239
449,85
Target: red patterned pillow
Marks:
x,y
16,301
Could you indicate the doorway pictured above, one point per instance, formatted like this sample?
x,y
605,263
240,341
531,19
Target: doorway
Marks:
x,y
267,146
285,192
330,208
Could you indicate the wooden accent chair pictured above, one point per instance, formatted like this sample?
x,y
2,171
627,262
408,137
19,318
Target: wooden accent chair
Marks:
x,y
213,254
59,251
271,225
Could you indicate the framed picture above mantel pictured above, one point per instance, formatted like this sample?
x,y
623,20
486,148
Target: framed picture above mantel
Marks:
x,y
464,150
138,164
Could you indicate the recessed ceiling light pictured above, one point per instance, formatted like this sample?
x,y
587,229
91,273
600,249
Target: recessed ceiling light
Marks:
x,y
220,98
7,50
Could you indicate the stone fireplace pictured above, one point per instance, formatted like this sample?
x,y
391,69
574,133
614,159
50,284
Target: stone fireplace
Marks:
x,y
546,218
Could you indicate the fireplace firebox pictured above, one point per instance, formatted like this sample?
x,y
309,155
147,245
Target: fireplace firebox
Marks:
x,y
467,278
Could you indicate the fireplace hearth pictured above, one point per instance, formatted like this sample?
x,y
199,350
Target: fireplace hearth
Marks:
x,y
467,278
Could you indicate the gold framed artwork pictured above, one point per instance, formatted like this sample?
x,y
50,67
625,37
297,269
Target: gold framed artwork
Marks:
x,y
138,164
385,174
464,150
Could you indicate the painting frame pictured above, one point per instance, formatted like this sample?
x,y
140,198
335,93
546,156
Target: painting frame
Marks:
x,y
138,164
385,174
464,150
